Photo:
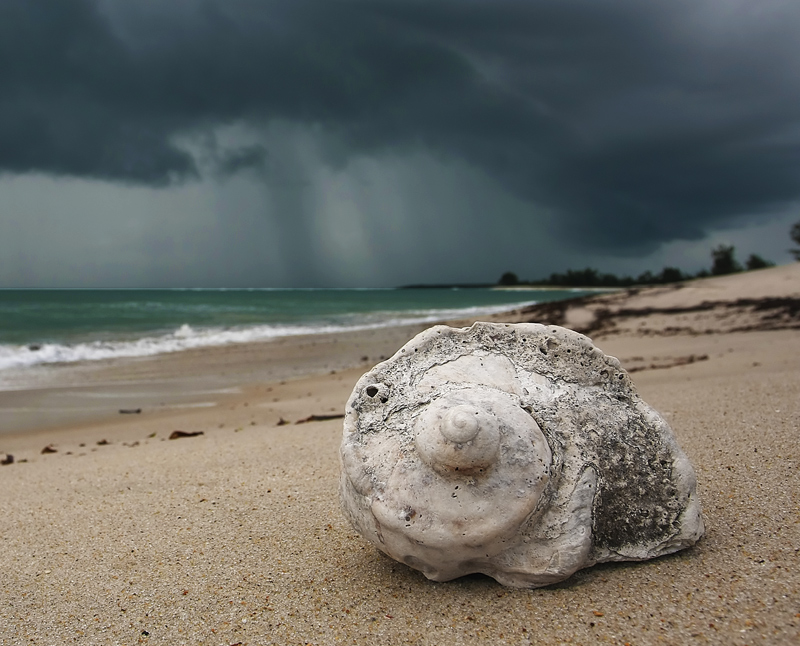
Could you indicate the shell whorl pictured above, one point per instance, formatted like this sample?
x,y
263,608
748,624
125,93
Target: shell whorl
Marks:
x,y
460,425
462,439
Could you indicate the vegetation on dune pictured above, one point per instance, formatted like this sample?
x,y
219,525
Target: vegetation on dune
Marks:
x,y
723,261
509,279
795,235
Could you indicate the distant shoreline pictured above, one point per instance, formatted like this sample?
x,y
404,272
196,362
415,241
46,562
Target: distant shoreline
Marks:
x,y
519,288
547,288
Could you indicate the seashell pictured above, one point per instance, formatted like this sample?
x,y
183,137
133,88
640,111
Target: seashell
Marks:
x,y
518,451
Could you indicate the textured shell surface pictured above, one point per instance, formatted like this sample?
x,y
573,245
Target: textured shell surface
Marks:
x,y
518,451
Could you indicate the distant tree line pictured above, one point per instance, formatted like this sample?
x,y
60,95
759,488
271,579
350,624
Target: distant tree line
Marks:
x,y
795,235
723,261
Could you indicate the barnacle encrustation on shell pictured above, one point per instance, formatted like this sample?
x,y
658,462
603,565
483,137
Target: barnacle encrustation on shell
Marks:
x,y
519,451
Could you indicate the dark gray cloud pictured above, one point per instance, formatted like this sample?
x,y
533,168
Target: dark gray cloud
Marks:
x,y
633,123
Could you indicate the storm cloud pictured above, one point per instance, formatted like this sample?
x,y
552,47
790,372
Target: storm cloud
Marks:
x,y
624,124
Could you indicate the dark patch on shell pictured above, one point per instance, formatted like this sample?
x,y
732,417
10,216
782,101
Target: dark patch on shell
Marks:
x,y
636,497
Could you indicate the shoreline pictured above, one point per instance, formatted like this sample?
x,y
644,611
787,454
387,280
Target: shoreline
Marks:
x,y
134,324
164,381
51,396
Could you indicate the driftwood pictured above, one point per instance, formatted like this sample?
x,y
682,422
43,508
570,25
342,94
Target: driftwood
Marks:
x,y
319,418
176,435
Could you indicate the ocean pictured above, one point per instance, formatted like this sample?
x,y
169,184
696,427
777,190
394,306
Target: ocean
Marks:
x,y
47,326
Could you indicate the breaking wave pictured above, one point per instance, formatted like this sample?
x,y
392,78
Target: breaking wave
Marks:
x,y
187,337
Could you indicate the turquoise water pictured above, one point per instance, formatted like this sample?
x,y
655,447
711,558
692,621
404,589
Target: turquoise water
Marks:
x,y
65,325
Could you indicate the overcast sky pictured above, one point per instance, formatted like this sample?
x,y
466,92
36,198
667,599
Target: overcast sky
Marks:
x,y
384,142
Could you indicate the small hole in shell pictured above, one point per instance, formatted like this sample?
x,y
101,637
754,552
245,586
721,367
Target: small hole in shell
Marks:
x,y
372,391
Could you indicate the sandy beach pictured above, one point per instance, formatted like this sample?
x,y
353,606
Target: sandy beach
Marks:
x,y
234,535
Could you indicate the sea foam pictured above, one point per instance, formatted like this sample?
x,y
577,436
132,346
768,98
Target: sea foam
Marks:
x,y
186,337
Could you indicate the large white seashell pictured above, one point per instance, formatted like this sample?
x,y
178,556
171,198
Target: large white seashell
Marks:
x,y
519,451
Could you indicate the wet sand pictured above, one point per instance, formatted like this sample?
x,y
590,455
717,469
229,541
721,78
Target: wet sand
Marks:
x,y
235,535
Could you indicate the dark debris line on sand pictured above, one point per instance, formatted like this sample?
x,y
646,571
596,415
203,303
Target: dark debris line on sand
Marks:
x,y
677,361
770,313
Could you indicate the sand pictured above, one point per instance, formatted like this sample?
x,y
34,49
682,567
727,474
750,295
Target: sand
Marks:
x,y
235,536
